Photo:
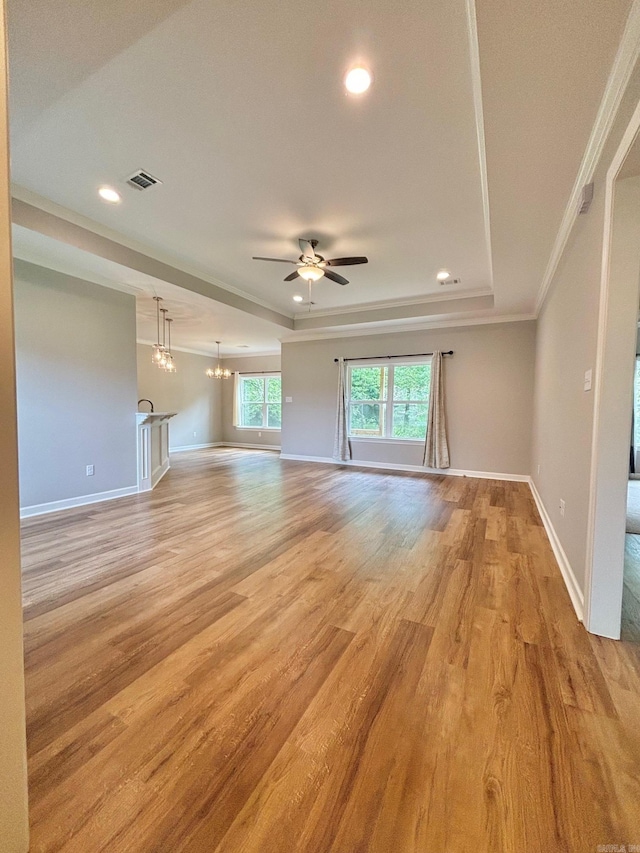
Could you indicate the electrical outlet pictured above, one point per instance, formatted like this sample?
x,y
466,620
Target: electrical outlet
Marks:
x,y
561,507
259,435
194,433
288,399
538,469
90,470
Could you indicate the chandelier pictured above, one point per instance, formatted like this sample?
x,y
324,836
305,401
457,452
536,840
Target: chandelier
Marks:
x,y
218,372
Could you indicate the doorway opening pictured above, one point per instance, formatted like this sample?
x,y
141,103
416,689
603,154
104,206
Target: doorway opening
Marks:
x,y
613,564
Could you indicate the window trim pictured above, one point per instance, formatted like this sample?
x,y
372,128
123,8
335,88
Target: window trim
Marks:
x,y
388,403
264,375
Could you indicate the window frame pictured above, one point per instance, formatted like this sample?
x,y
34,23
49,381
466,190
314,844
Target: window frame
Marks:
x,y
263,375
387,420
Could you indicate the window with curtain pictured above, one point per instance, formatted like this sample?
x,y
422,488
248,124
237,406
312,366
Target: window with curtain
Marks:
x,y
259,401
389,401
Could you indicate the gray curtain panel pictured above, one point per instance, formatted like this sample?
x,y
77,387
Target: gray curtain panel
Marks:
x,y
341,448
436,450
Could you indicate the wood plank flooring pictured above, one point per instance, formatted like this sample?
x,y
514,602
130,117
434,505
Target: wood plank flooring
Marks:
x,y
276,657
631,589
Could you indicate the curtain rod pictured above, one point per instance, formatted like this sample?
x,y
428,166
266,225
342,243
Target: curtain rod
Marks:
x,y
406,355
255,372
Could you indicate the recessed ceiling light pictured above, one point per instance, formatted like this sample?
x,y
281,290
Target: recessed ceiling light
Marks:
x,y
298,298
443,275
109,194
357,81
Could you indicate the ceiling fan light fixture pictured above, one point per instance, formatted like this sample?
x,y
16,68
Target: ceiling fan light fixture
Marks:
x,y
357,80
298,298
310,273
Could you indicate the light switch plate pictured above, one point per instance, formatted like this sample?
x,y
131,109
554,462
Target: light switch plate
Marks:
x,y
288,399
587,380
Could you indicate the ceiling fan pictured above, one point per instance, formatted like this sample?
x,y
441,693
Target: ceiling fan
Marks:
x,y
312,267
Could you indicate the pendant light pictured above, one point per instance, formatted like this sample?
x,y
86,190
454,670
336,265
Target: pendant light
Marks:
x,y
170,365
157,348
164,353
218,372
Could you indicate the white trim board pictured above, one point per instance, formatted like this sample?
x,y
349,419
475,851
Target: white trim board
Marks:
x,y
81,500
183,447
476,84
575,593
186,447
604,579
250,446
388,327
390,466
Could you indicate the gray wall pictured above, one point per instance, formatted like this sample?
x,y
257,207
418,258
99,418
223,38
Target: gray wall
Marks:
x,y
488,388
566,348
188,391
232,434
76,379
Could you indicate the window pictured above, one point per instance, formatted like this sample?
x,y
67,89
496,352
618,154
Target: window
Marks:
x,y
389,401
260,401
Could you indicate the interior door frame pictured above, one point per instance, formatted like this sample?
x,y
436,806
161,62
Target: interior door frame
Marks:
x,y
610,453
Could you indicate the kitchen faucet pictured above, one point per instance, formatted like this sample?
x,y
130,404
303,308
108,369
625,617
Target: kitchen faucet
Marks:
x,y
144,400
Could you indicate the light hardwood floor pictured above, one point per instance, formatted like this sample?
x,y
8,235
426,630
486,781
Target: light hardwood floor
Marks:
x,y
631,590
278,657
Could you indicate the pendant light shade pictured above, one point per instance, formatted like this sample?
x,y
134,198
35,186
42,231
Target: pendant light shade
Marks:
x,y
164,352
218,372
157,349
170,365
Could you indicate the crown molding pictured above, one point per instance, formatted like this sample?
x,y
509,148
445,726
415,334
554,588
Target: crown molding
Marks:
x,y
214,355
476,87
92,278
374,330
261,354
27,197
626,58
447,296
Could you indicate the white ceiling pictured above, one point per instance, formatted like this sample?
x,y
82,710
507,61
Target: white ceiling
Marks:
x,y
240,110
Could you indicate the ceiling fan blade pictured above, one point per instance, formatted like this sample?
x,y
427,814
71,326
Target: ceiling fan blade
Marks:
x,y
335,277
292,275
277,260
307,249
345,262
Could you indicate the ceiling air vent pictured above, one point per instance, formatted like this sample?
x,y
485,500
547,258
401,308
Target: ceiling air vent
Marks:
x,y
142,180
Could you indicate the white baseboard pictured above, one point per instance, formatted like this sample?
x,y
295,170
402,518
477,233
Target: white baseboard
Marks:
x,y
573,588
159,473
183,447
251,446
390,466
82,500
